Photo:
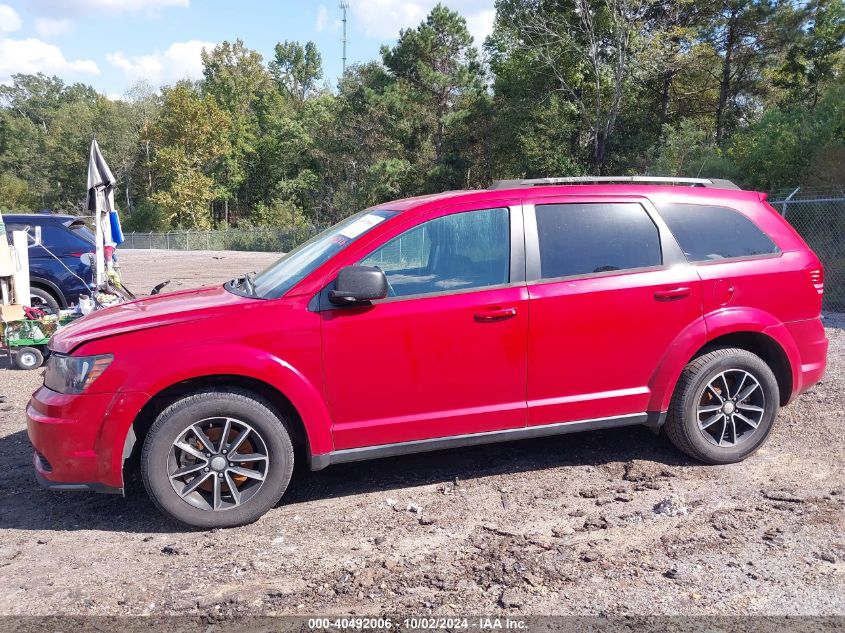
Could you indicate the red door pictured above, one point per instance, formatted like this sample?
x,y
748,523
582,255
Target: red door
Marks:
x,y
609,294
444,355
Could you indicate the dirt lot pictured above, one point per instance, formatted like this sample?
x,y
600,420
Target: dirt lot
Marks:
x,y
142,270
567,525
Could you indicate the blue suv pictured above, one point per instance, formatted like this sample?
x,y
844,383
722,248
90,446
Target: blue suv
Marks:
x,y
57,274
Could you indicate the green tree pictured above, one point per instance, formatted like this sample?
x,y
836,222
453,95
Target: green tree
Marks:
x,y
354,133
284,162
14,194
688,149
235,77
676,64
588,50
190,140
750,89
813,56
23,156
145,105
296,69
438,70
793,145
46,130
74,125
740,34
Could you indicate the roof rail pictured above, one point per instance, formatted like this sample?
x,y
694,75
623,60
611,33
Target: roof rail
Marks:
x,y
712,183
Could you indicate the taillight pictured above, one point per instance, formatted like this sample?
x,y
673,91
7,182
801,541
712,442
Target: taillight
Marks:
x,y
816,276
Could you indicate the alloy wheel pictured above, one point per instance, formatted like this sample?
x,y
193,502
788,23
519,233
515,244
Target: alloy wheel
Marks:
x,y
731,408
218,463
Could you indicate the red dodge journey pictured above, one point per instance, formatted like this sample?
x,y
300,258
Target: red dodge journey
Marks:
x,y
536,307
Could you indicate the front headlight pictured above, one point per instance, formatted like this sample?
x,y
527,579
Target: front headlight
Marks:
x,y
74,374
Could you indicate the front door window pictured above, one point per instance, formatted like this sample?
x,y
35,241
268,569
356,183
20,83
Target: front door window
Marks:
x,y
455,252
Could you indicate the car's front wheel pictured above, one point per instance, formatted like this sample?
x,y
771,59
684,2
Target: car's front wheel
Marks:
x,y
724,406
217,459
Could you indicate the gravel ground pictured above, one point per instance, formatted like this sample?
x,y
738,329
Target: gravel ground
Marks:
x,y
613,522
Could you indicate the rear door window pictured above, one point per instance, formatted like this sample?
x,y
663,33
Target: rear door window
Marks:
x,y
57,237
584,239
709,233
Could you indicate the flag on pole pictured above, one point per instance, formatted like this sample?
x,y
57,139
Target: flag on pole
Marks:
x,y
101,203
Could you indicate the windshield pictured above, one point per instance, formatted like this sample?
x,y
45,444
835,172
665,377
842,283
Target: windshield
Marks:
x,y
283,275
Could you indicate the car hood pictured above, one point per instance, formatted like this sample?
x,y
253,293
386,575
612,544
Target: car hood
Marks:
x,y
167,309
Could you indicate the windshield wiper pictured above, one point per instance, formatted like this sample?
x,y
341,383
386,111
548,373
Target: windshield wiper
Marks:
x,y
247,282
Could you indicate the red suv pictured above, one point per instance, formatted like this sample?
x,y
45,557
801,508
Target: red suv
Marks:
x,y
532,308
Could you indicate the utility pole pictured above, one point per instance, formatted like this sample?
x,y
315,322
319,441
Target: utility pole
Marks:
x,y
343,7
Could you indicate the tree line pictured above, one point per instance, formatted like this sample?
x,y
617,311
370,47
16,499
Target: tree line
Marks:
x,y
751,90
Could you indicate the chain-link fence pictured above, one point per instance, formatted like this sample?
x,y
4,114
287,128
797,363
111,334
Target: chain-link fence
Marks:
x,y
268,240
818,214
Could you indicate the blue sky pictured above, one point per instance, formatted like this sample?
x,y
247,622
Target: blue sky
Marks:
x,y
113,43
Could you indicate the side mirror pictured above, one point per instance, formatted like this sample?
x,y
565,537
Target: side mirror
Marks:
x,y
358,284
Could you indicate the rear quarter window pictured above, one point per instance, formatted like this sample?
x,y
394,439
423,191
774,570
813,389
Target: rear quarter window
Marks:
x,y
81,230
710,233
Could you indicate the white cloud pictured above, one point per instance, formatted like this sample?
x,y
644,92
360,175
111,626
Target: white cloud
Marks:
x,y
51,27
181,60
480,25
9,19
79,7
34,56
384,18
322,18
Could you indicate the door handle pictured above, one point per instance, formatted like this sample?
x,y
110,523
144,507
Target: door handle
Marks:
x,y
671,294
495,314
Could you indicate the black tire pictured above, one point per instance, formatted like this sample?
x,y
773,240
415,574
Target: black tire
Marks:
x,y
40,298
29,358
160,456
690,404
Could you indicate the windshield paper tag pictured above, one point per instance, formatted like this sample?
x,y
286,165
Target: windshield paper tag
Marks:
x,y
360,225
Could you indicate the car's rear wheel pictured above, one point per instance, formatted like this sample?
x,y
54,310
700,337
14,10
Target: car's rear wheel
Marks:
x,y
43,300
217,459
724,406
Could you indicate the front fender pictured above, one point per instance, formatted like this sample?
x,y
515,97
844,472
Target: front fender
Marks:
x,y
238,360
206,361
